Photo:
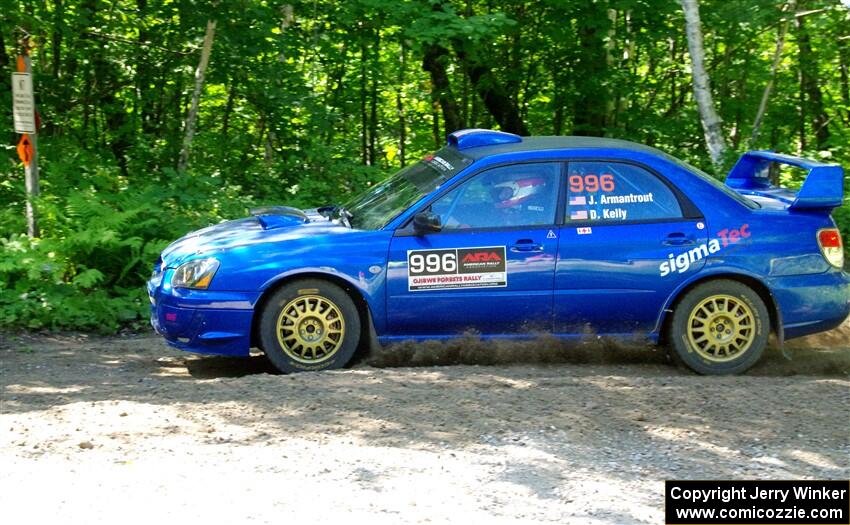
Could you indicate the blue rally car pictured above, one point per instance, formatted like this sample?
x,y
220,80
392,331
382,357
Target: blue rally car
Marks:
x,y
513,237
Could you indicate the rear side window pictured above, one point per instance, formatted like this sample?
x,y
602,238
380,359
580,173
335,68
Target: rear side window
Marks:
x,y
617,192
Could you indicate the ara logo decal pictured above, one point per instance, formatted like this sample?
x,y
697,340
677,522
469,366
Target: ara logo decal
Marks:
x,y
551,235
481,257
682,262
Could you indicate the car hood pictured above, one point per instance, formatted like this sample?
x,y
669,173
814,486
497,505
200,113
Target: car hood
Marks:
x,y
266,228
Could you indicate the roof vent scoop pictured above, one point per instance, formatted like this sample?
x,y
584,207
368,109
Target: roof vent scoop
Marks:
x,y
472,138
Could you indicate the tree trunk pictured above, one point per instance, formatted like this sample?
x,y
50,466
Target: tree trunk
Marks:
x,y
630,62
101,90
56,44
145,99
373,99
268,148
364,121
86,98
610,43
464,102
228,106
741,94
711,123
332,104
844,66
593,104
674,77
810,86
777,58
399,104
558,114
435,124
434,62
5,61
5,81
192,117
514,57
497,101
474,111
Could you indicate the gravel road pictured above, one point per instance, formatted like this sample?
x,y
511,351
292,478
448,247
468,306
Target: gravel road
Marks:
x,y
125,430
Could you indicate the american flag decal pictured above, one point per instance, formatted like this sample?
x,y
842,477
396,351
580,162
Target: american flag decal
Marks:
x,y
578,215
578,201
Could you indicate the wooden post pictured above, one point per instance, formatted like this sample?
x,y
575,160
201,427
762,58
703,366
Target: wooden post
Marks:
x,y
24,65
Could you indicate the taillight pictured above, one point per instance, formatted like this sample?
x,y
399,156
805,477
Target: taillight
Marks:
x,y
829,240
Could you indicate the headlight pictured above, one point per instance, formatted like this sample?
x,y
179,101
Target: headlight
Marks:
x,y
195,274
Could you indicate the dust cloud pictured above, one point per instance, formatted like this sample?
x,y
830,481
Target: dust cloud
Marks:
x,y
826,354
472,350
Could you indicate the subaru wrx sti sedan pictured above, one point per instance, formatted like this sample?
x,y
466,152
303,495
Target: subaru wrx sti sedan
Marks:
x,y
513,237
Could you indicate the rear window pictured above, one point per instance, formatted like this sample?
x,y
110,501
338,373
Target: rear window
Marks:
x,y
714,182
615,191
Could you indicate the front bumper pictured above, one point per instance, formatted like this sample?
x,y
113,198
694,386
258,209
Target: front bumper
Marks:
x,y
812,303
202,321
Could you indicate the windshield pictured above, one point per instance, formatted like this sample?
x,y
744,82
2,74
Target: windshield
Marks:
x,y
383,202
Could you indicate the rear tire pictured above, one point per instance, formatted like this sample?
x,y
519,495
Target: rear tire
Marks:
x,y
720,328
309,325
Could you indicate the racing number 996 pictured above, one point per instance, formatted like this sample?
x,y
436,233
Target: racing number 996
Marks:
x,y
592,183
433,262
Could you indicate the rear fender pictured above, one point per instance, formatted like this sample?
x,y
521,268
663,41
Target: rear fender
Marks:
x,y
750,279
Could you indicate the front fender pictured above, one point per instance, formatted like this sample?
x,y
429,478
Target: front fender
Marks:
x,y
356,258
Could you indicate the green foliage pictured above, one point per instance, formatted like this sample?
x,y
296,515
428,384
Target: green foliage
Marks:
x,y
102,232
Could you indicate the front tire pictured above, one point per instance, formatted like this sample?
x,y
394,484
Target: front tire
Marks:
x,y
309,325
720,328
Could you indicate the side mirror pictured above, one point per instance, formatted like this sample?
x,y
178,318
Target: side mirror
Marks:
x,y
426,222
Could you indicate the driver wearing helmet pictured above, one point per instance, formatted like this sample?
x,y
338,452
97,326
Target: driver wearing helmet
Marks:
x,y
519,201
511,199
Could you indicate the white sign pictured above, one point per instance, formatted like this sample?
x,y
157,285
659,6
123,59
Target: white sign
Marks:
x,y
23,103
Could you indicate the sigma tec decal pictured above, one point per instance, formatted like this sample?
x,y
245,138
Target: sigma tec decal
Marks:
x,y
480,267
683,261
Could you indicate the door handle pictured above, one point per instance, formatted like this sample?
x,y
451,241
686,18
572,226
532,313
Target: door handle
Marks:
x,y
677,239
526,245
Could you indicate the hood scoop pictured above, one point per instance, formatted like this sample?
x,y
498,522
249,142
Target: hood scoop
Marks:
x,y
271,217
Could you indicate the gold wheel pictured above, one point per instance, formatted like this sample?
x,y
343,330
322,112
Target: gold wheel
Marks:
x,y
310,329
721,328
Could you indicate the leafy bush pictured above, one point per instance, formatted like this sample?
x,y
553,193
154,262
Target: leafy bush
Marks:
x,y
102,231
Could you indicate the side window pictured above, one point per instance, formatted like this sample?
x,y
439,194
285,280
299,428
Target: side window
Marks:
x,y
613,191
515,195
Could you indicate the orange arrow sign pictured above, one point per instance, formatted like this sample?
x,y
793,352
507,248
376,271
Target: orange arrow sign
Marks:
x,y
25,150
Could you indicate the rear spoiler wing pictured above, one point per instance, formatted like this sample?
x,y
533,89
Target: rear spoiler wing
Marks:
x,y
823,187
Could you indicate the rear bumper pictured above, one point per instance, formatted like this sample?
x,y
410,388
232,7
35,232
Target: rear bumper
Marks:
x,y
814,303
201,321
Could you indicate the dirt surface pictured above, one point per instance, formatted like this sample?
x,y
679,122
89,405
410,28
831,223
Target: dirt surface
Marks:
x,y
126,430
